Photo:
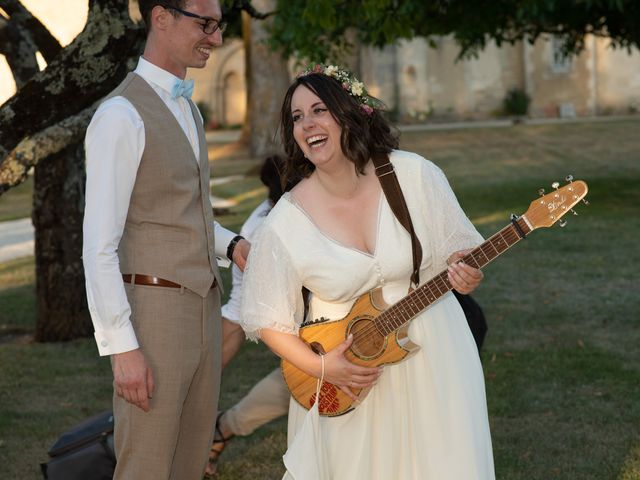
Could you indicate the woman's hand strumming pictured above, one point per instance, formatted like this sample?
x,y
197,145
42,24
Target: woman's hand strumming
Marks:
x,y
346,375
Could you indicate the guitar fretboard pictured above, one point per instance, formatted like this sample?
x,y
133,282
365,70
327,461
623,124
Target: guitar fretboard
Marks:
x,y
410,306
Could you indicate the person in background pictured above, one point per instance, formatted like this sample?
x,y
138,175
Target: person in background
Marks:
x,y
269,398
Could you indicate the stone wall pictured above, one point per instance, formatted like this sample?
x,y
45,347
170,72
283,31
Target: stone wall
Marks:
x,y
419,81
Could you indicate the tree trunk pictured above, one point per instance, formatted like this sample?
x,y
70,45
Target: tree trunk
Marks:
x,y
267,82
58,207
43,126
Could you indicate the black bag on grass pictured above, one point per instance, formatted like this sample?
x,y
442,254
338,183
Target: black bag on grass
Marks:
x,y
85,452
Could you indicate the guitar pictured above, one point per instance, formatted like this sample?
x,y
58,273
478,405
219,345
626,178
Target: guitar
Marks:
x,y
380,331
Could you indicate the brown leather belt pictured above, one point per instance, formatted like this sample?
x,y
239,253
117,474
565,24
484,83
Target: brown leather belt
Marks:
x,y
156,281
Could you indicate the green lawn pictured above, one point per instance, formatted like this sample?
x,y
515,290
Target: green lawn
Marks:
x,y
561,359
16,203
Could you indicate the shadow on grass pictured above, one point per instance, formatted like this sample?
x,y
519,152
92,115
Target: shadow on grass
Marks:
x,y
17,314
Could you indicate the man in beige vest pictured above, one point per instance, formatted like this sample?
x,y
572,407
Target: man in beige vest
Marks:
x,y
150,249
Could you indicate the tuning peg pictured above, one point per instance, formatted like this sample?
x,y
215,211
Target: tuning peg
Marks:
x,y
569,178
562,222
585,201
555,185
574,212
541,192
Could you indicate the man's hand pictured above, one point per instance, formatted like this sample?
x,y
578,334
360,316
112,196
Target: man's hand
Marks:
x,y
240,253
463,278
133,379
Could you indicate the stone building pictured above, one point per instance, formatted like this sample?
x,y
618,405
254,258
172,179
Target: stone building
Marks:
x,y
419,81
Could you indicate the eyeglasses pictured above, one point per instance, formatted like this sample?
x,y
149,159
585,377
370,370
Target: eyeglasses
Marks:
x,y
209,26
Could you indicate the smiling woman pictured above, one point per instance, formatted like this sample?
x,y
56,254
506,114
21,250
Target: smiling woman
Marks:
x,y
315,130
336,235
350,109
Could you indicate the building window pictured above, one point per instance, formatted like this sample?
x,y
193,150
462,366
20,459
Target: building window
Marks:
x,y
560,61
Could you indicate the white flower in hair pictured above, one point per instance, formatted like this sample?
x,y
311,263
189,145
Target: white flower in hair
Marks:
x,y
331,70
349,82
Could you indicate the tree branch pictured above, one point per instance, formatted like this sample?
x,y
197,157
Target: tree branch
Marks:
x,y
49,141
17,45
81,74
47,44
237,6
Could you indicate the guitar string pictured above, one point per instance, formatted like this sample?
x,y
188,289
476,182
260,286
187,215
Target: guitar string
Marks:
x,y
510,237
507,234
400,313
437,282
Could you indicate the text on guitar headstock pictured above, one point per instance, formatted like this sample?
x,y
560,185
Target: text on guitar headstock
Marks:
x,y
550,208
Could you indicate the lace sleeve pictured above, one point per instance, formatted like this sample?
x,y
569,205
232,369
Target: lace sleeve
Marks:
x,y
453,229
271,293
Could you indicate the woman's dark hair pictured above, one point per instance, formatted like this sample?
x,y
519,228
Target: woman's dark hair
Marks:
x,y
146,6
364,136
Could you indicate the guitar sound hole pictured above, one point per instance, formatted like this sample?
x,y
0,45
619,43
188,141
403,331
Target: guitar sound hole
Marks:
x,y
367,341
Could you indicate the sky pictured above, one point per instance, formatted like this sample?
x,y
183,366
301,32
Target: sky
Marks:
x,y
64,19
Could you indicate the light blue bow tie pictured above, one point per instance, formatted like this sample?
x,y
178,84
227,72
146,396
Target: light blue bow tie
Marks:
x,y
182,88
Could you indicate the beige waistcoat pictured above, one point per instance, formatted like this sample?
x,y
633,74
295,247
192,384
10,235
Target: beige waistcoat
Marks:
x,y
169,227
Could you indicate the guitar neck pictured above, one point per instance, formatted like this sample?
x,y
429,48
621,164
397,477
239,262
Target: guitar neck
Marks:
x,y
410,306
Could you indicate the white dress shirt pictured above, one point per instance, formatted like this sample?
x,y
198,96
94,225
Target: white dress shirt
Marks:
x,y
114,145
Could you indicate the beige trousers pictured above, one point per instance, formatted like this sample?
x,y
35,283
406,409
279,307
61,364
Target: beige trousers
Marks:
x,y
266,401
179,333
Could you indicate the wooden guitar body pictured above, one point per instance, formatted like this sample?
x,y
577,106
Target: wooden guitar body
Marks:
x,y
369,348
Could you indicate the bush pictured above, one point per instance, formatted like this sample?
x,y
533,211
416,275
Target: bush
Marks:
x,y
516,102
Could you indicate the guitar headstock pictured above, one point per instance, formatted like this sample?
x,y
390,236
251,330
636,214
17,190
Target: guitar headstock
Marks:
x,y
551,207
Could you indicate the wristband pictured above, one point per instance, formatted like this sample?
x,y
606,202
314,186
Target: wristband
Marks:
x,y
232,246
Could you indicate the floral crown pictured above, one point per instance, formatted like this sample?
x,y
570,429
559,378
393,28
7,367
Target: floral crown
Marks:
x,y
349,82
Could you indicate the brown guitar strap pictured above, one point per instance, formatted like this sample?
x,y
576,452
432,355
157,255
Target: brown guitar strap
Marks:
x,y
391,188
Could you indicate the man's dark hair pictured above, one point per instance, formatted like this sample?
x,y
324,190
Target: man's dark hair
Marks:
x,y
147,5
363,136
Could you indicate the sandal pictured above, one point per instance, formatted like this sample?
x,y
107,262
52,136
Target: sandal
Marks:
x,y
217,447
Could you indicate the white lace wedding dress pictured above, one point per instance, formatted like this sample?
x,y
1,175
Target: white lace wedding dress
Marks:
x,y
427,417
